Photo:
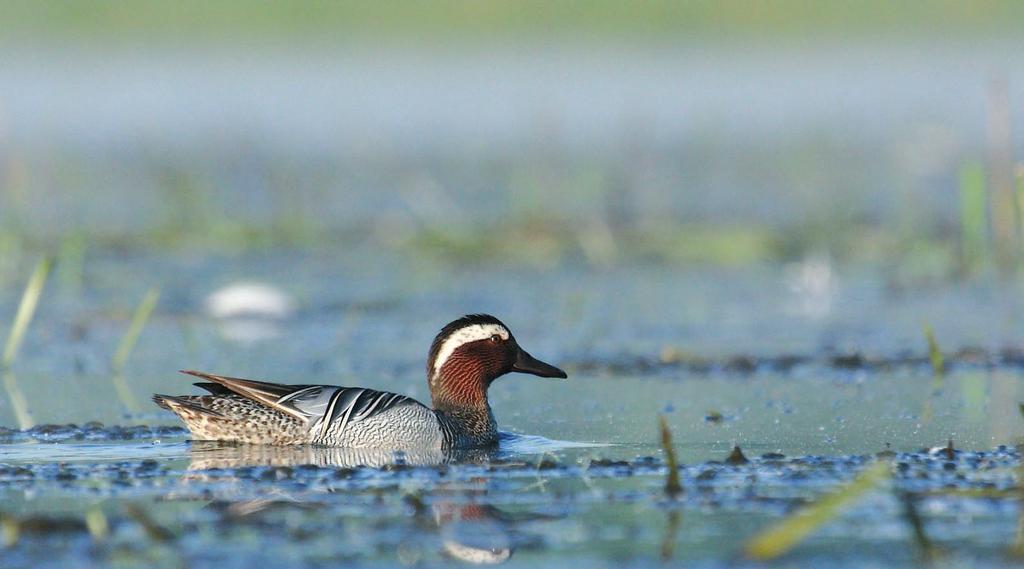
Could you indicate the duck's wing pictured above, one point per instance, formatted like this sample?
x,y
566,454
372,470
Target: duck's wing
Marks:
x,y
327,405
320,406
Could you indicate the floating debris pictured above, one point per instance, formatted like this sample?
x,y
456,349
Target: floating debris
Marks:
x,y
249,299
249,312
887,453
736,457
947,452
713,417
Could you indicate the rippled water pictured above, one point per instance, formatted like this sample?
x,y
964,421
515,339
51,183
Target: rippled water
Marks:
x,y
729,357
166,502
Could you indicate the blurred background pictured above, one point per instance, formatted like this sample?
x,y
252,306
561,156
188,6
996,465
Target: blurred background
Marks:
x,y
310,192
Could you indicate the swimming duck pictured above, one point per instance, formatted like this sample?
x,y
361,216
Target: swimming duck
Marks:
x,y
465,357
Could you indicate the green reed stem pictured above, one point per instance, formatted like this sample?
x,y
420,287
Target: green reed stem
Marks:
x,y
672,485
139,319
124,349
973,217
788,533
938,371
18,401
22,318
26,309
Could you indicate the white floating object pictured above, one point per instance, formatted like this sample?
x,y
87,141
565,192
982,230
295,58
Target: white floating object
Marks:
x,y
249,300
813,285
249,312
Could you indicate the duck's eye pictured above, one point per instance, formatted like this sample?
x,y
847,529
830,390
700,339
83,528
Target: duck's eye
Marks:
x,y
495,338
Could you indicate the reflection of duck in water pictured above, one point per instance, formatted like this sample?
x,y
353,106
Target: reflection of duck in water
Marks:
x,y
475,533
469,531
207,455
466,356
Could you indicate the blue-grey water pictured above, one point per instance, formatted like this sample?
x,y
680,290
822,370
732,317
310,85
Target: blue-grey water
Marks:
x,y
153,171
637,342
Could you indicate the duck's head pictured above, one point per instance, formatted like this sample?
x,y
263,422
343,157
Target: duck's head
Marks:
x,y
471,352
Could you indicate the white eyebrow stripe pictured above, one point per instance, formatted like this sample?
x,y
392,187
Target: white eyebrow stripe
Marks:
x,y
464,335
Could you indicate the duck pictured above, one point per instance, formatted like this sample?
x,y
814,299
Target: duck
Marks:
x,y
466,356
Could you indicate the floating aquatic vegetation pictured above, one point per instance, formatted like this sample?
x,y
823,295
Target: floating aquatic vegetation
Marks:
x,y
92,431
887,452
787,534
746,365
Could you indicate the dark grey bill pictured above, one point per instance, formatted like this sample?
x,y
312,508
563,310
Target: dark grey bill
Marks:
x,y
525,363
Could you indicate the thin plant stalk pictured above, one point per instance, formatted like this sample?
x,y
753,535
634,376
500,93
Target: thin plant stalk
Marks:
x,y
788,533
1018,194
934,353
938,371
672,485
668,544
96,523
10,529
973,217
18,401
26,310
913,518
1017,547
124,349
22,318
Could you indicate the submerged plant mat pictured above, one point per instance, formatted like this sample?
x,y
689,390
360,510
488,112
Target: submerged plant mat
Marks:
x,y
207,500
787,534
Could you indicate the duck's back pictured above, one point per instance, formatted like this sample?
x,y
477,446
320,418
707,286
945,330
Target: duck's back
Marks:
x,y
270,413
